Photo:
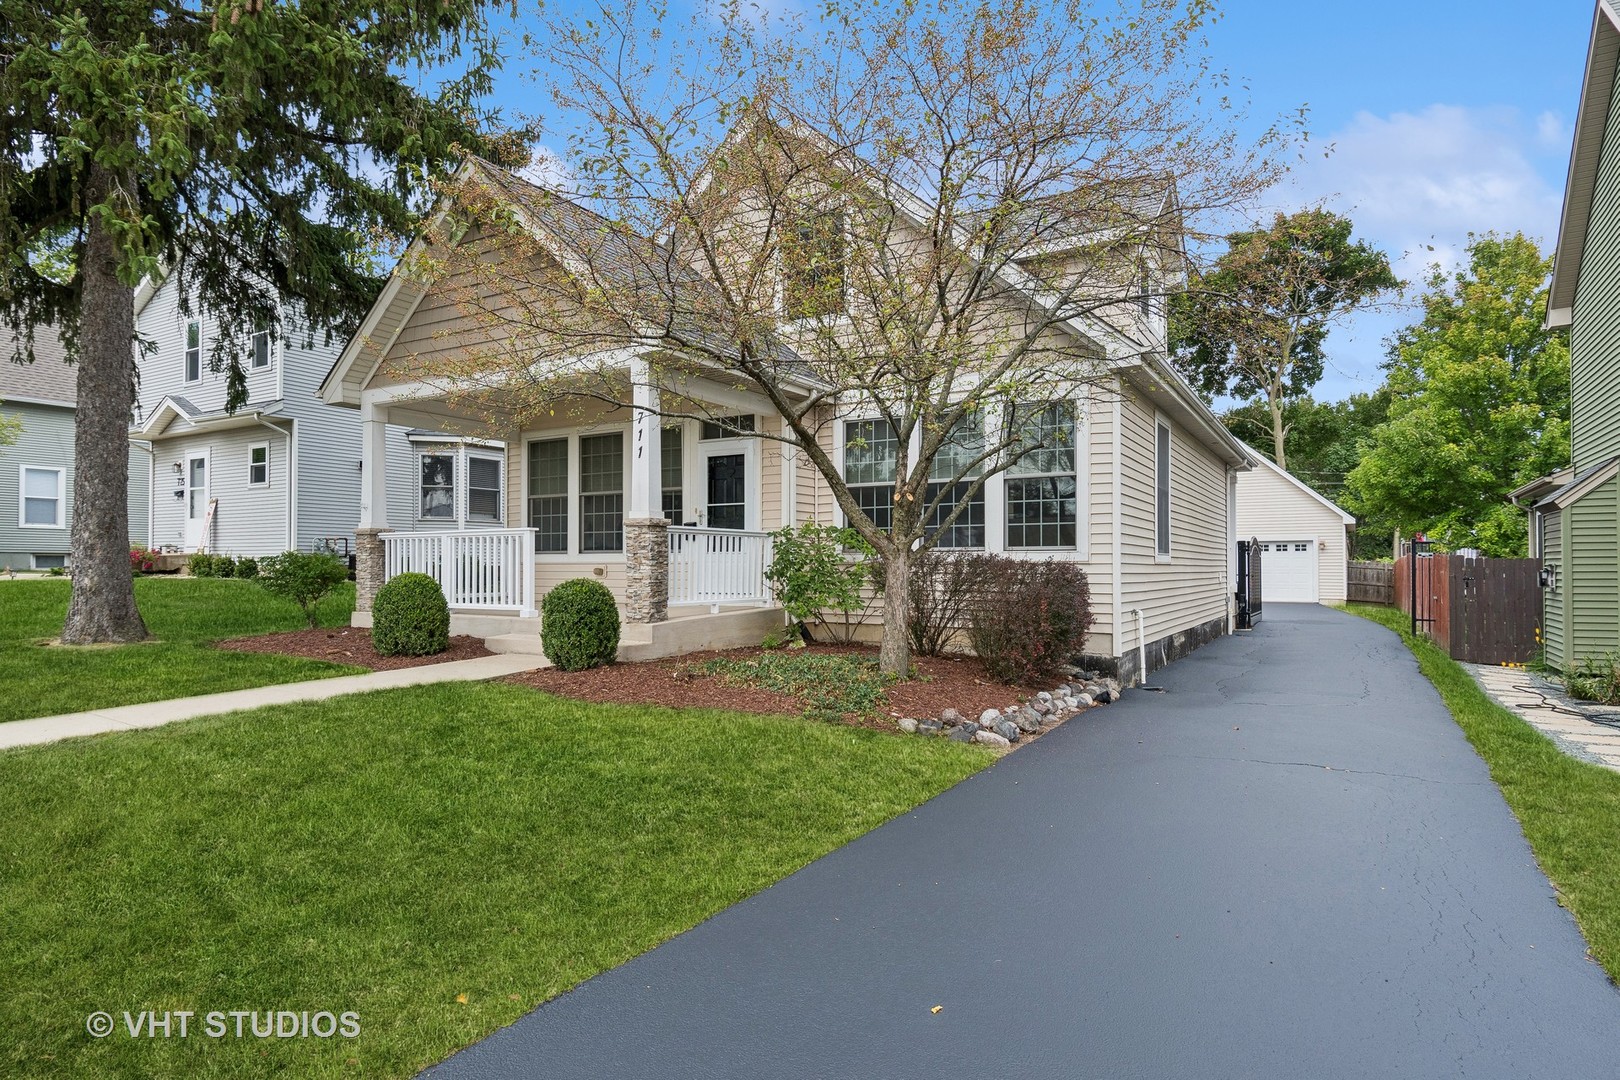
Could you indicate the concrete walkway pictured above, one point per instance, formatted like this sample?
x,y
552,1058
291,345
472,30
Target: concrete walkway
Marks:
x,y
157,713
1581,729
1290,864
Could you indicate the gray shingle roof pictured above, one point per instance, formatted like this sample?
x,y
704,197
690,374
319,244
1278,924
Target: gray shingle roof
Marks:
x,y
49,378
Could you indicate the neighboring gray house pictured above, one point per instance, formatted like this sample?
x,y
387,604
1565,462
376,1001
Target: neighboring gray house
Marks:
x,y
281,472
36,471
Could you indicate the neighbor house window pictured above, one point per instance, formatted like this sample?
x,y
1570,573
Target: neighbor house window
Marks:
x,y
601,492
259,465
670,469
548,494
50,562
951,474
870,451
438,487
193,351
261,349
483,488
813,251
726,427
43,493
1161,478
1041,486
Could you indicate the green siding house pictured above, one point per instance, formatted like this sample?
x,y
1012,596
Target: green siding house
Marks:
x,y
1575,513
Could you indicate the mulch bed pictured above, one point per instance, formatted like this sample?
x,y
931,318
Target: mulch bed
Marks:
x,y
349,645
957,682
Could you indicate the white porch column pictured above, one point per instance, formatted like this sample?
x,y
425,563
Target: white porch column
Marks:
x,y
373,465
646,445
646,533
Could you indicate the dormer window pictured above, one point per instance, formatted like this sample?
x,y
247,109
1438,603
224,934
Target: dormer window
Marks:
x,y
813,252
1144,289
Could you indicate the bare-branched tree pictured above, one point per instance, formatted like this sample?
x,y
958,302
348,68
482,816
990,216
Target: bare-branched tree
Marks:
x,y
955,221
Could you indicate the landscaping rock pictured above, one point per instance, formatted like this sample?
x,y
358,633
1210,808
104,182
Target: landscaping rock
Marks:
x,y
950,717
990,738
908,724
1104,696
1044,695
962,734
970,727
1029,721
1113,686
1068,669
1008,730
988,717
1086,700
1044,706
929,727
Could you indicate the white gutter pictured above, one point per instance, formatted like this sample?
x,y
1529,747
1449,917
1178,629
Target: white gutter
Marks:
x,y
1118,565
1141,648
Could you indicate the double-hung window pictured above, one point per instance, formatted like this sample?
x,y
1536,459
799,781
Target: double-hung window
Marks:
x,y
870,452
601,492
1161,486
1042,485
259,465
483,488
951,474
260,352
548,494
813,252
670,467
193,351
43,496
438,487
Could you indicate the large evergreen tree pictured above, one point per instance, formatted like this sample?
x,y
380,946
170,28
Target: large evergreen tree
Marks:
x,y
1480,404
254,148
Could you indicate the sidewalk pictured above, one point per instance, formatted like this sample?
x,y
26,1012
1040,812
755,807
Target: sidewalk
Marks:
x,y
1580,729
157,713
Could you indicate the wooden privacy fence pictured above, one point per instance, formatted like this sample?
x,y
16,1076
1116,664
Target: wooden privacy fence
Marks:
x,y
1482,611
1370,582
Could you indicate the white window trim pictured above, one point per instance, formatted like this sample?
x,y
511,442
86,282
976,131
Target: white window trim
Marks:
x,y
252,483
185,351
269,351
806,322
572,434
22,497
451,452
500,487
1160,420
33,560
1082,470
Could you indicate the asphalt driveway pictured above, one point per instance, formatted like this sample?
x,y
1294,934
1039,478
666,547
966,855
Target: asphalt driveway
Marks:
x,y
1289,864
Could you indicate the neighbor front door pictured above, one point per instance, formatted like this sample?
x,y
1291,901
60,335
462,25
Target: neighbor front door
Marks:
x,y
196,500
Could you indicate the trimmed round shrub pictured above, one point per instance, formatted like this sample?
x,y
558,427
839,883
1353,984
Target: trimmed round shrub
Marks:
x,y
247,567
201,564
224,566
409,617
579,625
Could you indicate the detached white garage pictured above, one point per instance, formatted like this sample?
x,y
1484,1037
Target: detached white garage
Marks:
x,y
1303,537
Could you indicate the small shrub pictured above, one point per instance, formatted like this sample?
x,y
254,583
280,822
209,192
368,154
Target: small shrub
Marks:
x,y
56,571
305,578
410,617
224,566
943,587
200,564
1029,617
579,625
142,560
247,567
1597,678
813,576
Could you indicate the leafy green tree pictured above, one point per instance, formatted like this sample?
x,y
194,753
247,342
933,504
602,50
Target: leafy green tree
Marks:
x,y
1324,437
252,148
1480,404
1253,327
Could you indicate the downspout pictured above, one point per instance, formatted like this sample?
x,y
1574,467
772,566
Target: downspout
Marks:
x,y
1141,648
1119,472
286,433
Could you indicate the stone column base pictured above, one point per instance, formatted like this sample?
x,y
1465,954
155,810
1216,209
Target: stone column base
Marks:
x,y
646,569
370,567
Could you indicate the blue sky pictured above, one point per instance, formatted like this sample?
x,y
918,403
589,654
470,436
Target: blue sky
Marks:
x,y
1444,118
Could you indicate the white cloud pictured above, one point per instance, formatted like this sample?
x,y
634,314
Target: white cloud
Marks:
x,y
1416,184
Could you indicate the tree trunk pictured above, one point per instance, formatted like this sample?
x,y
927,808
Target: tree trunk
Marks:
x,y
103,605
1279,431
894,656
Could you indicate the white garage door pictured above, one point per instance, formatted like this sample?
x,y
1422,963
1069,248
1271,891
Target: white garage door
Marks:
x,y
1288,571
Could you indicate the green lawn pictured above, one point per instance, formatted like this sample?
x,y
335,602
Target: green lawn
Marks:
x,y
184,616
388,853
1569,809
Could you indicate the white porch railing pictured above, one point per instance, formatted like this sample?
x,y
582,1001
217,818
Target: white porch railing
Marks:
x,y
479,568
717,566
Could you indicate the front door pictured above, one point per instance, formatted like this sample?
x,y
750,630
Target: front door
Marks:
x,y
725,488
196,501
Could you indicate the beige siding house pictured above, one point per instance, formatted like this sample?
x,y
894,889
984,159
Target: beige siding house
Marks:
x,y
1303,536
673,515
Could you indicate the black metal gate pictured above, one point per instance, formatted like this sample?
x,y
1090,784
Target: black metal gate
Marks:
x,y
1421,568
1248,584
